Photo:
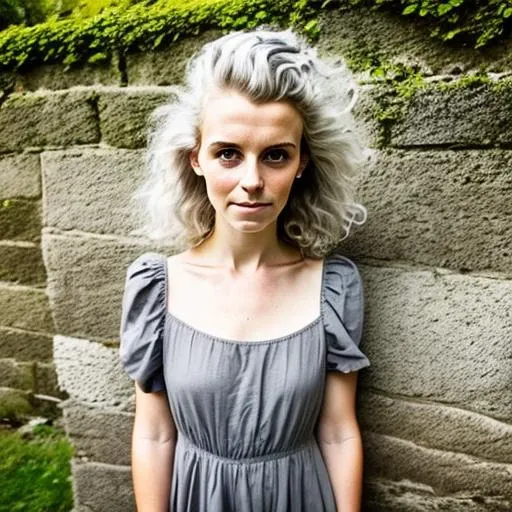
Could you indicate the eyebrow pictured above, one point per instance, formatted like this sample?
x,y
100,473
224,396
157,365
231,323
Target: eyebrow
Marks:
x,y
222,144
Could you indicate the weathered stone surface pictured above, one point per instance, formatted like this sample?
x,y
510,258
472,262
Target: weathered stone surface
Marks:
x,y
22,262
365,113
99,434
91,189
125,114
23,307
382,495
90,372
426,425
14,403
48,119
20,175
17,375
20,219
165,67
25,345
441,336
86,276
46,380
101,487
361,33
56,76
446,472
441,208
463,116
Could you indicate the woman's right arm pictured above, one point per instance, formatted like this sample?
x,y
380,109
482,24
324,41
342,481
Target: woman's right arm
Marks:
x,y
153,442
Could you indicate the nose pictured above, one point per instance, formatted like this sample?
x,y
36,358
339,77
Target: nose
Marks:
x,y
251,179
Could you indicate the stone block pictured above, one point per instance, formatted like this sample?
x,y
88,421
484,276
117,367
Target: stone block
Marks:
x,y
125,114
46,380
57,76
86,277
20,175
425,424
168,66
14,374
99,434
20,219
365,113
91,189
44,118
445,472
25,345
90,372
362,33
22,262
22,307
381,495
439,208
101,487
14,404
458,116
440,336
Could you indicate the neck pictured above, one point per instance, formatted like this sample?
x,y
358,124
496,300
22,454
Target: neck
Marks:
x,y
245,252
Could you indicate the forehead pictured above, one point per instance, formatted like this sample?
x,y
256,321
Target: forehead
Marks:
x,y
230,116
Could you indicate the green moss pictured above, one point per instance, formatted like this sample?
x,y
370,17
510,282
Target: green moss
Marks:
x,y
14,404
475,22
35,475
397,85
465,82
155,24
144,26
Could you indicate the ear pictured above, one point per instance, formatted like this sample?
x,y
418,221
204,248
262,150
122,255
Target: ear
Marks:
x,y
304,159
194,162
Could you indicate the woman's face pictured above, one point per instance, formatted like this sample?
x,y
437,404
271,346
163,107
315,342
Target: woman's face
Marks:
x,y
249,156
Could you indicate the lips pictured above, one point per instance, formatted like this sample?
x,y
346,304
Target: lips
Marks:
x,y
252,205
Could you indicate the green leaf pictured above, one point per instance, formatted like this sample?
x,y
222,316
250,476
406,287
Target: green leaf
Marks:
x,y
410,9
507,12
444,8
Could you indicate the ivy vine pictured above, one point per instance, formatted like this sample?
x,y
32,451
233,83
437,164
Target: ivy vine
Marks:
x,y
155,24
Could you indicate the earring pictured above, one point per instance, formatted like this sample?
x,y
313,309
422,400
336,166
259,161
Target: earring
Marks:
x,y
298,176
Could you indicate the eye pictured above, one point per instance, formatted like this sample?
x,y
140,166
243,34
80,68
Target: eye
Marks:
x,y
276,155
227,155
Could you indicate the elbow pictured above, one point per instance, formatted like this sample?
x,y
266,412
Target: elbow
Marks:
x,y
333,433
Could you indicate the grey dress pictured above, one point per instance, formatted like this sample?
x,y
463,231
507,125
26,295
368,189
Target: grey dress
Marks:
x,y
245,412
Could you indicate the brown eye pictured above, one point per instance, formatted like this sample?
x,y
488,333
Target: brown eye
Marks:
x,y
276,156
227,154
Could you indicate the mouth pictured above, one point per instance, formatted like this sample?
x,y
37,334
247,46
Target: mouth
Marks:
x,y
251,207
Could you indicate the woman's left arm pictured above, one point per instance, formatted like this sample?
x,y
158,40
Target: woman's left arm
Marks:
x,y
339,439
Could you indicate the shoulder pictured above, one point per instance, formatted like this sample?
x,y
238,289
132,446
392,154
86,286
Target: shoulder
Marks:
x,y
342,274
145,263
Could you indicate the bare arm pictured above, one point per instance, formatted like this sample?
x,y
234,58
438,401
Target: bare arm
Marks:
x,y
339,440
153,442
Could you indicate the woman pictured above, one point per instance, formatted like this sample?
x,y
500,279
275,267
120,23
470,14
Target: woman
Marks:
x,y
244,345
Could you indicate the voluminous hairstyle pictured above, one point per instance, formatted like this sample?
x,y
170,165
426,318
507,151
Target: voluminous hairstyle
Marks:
x,y
265,66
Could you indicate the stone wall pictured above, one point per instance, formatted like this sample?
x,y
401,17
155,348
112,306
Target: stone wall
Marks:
x,y
435,254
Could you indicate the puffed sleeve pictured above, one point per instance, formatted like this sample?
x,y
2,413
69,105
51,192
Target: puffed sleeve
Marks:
x,y
142,321
343,310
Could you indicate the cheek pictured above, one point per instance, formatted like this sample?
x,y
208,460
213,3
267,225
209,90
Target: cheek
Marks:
x,y
282,187
220,184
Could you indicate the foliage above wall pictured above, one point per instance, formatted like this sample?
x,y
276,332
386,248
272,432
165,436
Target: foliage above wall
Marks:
x,y
144,26
478,22
154,24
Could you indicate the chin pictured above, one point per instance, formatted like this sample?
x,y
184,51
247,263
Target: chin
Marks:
x,y
249,226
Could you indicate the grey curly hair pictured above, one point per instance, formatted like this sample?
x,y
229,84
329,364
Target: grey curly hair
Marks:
x,y
265,66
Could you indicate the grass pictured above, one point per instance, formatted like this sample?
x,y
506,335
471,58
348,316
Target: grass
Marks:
x,y
35,475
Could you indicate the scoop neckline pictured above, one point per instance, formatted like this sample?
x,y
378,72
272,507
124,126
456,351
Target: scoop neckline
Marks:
x,y
213,337
269,341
